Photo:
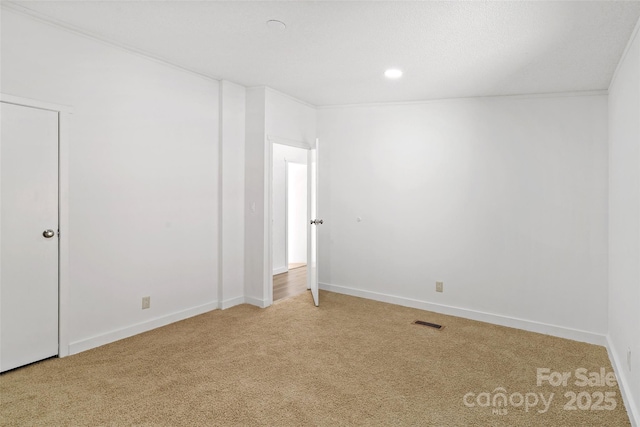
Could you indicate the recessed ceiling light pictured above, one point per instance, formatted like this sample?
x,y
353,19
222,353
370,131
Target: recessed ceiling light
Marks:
x,y
393,73
276,25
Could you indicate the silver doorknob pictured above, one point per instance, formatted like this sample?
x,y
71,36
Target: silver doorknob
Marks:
x,y
48,233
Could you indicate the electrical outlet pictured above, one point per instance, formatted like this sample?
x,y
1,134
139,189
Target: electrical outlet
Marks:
x,y
439,287
146,302
629,358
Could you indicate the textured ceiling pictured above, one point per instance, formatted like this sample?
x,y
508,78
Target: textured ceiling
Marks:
x,y
336,52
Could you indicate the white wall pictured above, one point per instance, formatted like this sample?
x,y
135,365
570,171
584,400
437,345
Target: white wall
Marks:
x,y
297,213
502,199
143,170
254,224
624,222
289,118
271,115
232,136
281,155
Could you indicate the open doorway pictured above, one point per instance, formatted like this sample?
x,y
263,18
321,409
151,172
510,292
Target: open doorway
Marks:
x,y
289,221
296,215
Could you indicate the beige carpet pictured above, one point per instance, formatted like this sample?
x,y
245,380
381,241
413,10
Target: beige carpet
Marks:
x,y
349,362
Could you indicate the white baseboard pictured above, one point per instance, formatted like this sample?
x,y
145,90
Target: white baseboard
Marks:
x,y
623,382
231,302
126,332
256,301
280,270
497,319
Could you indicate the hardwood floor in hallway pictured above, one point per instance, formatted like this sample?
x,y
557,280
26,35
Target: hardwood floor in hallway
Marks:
x,y
288,284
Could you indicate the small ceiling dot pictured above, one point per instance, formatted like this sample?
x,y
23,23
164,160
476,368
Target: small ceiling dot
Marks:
x,y
276,25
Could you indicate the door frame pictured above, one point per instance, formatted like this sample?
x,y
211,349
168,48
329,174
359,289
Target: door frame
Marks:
x,y
64,124
267,270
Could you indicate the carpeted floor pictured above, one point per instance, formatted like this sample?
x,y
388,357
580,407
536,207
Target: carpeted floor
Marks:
x,y
349,362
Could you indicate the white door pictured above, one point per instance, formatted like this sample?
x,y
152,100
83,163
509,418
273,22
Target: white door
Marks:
x,y
28,235
313,223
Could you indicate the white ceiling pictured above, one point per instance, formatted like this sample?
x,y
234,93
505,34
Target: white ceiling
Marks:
x,y
336,52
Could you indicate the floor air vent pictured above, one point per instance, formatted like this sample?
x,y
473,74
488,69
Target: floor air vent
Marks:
x,y
429,324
